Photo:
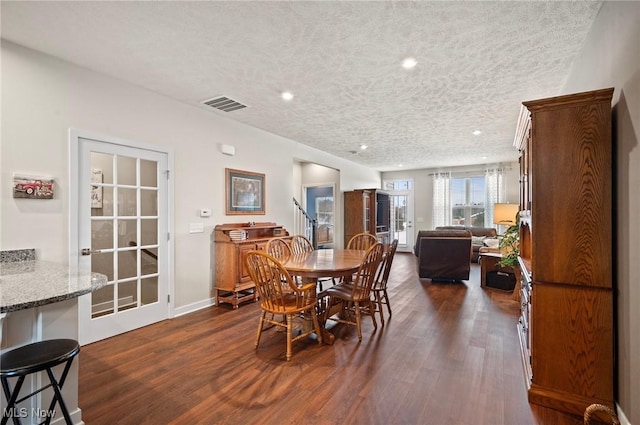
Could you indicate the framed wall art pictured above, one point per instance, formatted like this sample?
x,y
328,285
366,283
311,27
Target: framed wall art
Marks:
x,y
244,192
96,191
32,187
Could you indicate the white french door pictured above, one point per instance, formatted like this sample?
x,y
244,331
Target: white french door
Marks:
x,y
402,219
122,231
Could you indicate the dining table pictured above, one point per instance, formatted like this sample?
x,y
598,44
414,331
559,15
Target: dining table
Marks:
x,y
324,263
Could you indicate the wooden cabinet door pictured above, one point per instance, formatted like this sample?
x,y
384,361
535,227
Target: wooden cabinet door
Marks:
x,y
242,269
366,208
567,242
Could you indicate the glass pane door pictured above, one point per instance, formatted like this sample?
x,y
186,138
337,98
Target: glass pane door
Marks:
x,y
401,227
124,231
123,220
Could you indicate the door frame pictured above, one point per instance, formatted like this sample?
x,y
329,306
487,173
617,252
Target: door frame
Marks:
x,y
332,185
410,193
74,181
410,233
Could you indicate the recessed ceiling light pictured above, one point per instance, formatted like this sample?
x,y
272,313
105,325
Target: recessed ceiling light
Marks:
x,y
400,165
287,95
409,63
477,132
363,147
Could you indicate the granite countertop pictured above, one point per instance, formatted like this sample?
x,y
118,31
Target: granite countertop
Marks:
x,y
28,284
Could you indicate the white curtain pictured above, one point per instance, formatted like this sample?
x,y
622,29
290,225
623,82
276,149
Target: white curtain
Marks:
x,y
441,199
495,192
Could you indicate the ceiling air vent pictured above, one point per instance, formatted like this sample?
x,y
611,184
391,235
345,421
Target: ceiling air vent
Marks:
x,y
224,104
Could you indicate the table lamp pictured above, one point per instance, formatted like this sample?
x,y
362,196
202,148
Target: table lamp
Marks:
x,y
505,214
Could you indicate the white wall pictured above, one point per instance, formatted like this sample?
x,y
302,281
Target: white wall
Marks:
x,y
42,97
611,58
297,180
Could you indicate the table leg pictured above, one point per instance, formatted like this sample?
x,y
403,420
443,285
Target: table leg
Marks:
x,y
327,337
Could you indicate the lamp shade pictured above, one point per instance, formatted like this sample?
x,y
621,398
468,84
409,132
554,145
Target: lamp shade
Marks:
x,y
505,213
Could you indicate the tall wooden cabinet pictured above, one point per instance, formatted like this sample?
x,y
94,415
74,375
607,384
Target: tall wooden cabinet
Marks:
x,y
233,284
566,325
367,210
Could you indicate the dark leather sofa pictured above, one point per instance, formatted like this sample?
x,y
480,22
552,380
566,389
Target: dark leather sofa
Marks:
x,y
477,236
443,254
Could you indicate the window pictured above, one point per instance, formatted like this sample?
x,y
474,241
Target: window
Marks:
x,y
398,185
468,201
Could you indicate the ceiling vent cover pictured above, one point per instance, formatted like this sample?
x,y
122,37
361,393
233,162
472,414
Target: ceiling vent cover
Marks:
x,y
224,103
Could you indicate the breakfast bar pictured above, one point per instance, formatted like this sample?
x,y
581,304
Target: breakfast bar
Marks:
x,y
29,284
38,301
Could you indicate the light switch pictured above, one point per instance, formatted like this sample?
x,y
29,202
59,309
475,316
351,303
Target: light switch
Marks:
x,y
196,227
205,212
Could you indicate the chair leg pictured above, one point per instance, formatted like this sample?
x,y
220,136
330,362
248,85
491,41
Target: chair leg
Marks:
x,y
289,335
57,397
386,298
10,410
330,304
314,316
379,302
347,308
327,306
358,320
260,324
372,310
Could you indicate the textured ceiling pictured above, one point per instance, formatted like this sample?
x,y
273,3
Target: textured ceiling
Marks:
x,y
477,61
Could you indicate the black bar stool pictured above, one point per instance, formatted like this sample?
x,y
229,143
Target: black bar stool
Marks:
x,y
32,358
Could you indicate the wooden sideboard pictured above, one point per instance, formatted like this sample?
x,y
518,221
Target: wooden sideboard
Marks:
x,y
233,284
566,253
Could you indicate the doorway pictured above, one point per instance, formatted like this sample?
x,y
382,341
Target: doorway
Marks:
x,y
120,227
401,228
319,203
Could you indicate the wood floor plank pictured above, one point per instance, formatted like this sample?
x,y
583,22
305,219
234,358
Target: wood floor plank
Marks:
x,y
449,354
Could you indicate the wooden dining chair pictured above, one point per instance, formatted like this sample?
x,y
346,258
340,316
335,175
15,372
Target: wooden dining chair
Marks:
x,y
281,250
379,289
278,248
355,297
362,241
300,244
280,296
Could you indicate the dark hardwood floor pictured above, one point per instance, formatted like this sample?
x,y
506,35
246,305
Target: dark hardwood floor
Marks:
x,y
448,355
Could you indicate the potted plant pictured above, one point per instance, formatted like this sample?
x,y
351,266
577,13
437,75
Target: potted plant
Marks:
x,y
509,248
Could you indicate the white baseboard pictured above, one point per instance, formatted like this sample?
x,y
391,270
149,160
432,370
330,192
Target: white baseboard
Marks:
x,y
190,308
76,417
621,416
